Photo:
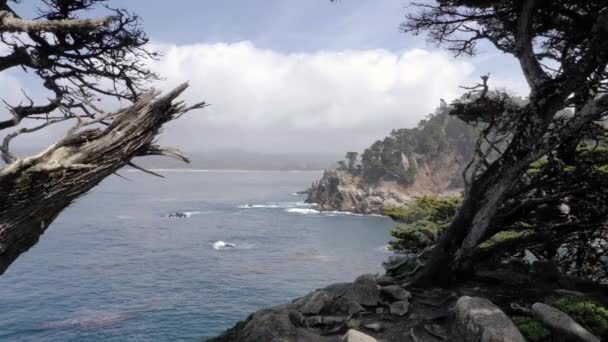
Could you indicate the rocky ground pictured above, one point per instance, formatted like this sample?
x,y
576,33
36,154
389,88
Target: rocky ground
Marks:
x,y
378,308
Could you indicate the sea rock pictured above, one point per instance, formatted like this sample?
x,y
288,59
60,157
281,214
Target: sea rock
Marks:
x,y
314,304
385,281
399,308
395,293
479,320
357,336
562,324
364,291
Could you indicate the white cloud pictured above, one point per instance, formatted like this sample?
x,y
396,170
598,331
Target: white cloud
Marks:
x,y
328,100
322,102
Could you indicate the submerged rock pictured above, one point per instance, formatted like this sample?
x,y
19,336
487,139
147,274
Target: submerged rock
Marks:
x,y
561,324
479,320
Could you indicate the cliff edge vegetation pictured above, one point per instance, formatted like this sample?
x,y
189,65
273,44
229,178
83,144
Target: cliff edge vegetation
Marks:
x,y
409,162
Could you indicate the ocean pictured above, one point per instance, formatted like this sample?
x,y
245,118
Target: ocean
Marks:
x,y
115,267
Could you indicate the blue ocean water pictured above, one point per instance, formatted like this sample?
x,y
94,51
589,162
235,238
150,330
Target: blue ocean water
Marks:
x,y
114,267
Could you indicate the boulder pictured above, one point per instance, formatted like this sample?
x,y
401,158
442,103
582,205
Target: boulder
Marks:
x,y
357,336
364,291
399,308
274,324
314,304
479,320
345,306
561,324
395,293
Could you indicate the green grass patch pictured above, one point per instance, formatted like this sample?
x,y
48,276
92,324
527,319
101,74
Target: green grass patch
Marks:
x,y
532,329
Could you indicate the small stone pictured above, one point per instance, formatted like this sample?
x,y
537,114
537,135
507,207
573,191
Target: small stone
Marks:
x,y
385,281
375,327
357,336
399,308
379,311
315,304
396,293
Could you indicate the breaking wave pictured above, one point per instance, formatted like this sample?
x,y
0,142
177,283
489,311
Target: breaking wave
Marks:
x,y
302,211
222,245
277,205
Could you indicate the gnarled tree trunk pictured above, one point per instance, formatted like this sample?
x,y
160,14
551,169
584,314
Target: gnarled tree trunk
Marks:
x,y
34,190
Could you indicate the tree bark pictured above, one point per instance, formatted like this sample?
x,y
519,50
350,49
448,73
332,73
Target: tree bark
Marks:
x,y
34,190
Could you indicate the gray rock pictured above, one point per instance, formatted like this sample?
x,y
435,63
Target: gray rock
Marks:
x,y
320,321
479,320
562,324
395,293
375,327
338,289
274,324
399,308
379,311
385,281
357,336
314,304
296,318
364,291
345,306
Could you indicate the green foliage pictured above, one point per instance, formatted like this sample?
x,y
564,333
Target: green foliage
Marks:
x,y
426,218
502,237
587,312
532,329
396,265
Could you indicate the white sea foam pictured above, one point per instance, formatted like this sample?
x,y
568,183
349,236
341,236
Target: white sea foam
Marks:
x,y
280,205
303,211
221,245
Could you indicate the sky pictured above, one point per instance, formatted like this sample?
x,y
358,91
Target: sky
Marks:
x,y
297,76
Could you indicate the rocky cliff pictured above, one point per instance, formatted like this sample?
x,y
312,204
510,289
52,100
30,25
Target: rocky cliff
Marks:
x,y
343,190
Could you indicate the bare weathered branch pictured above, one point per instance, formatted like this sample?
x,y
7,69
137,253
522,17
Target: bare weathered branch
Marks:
x,y
10,23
